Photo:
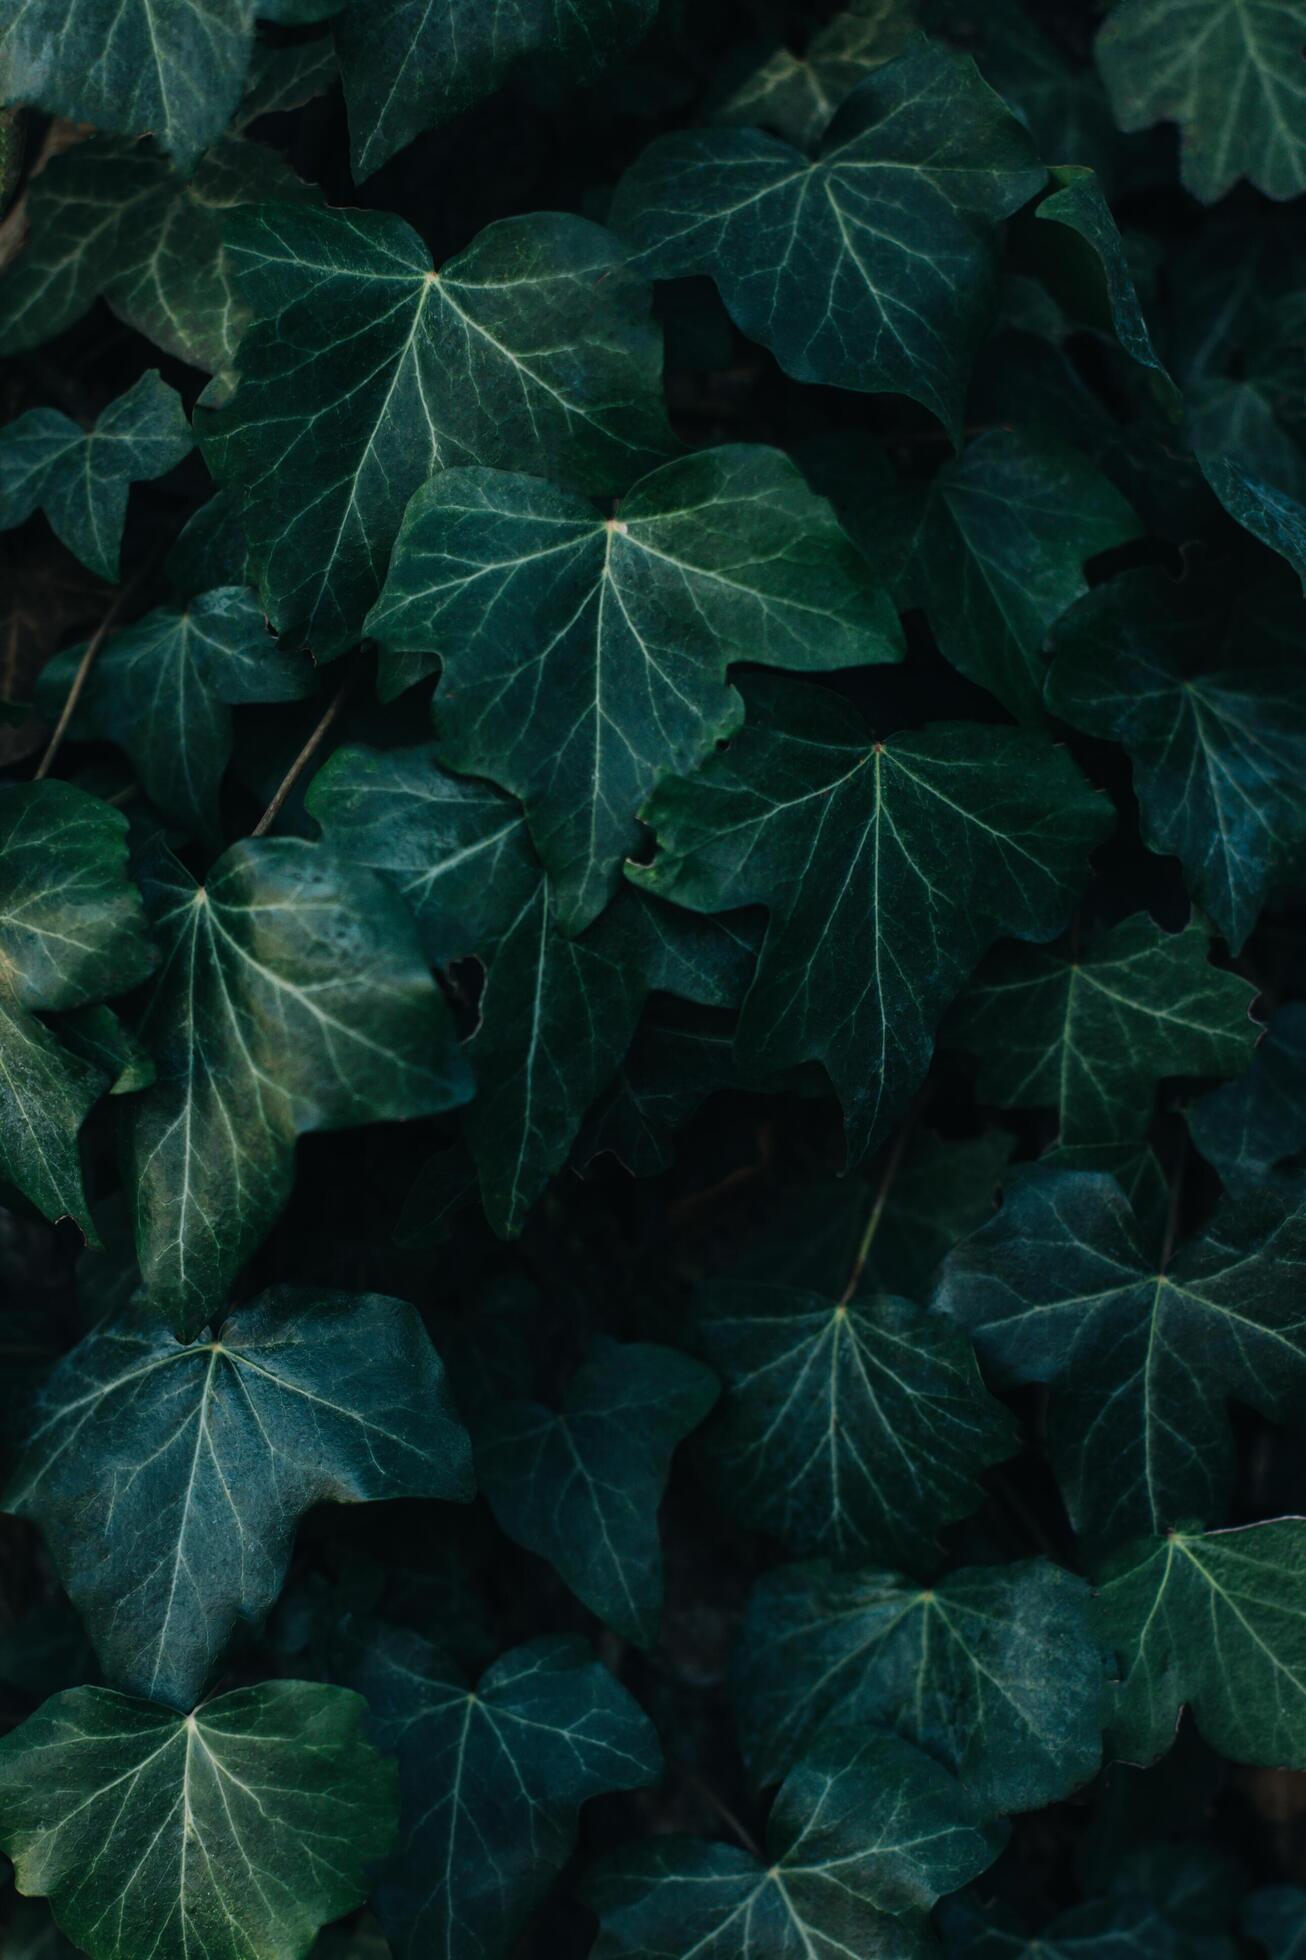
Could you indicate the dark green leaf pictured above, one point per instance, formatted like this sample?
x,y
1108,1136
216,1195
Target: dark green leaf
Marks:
x,y
145,1828
583,657
1247,1128
533,349
1099,275
1276,1916
99,1037
1256,470
871,267
1099,1929
888,867
169,1479
797,94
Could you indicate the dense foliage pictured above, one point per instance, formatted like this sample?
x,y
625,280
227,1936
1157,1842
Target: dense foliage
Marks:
x,y
653,979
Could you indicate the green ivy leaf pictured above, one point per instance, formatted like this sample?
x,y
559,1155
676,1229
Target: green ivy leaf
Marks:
x,y
110,218
1276,1916
144,1827
857,1427
1229,72
581,1486
1249,1127
80,477
72,929
163,689
99,1037
993,552
491,1780
292,997
582,658
1210,713
408,65
1254,467
365,370
1098,1929
888,868
873,266
678,1058
130,65
993,1670
1211,1621
864,1835
797,94
1098,273
1061,1288
169,1479
1091,1036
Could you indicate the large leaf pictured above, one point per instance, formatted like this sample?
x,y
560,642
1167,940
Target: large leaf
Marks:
x,y
1214,1622
1229,72
365,370
1060,1287
491,1779
111,218
863,1837
169,1479
556,1014
582,1486
994,1670
130,65
233,1833
888,867
163,690
407,64
1207,705
871,267
585,657
797,94
80,477
1091,1036
993,552
1248,1128
856,1427
72,929
293,996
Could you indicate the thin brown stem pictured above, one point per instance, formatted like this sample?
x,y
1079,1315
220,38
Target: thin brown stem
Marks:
x,y
305,756
877,1212
84,666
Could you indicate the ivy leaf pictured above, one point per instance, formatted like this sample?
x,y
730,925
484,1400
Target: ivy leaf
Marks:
x,y
80,477
993,551
408,65
1211,716
365,370
584,657
556,1014
871,267
1098,270
582,1486
1249,1127
888,868
1276,1916
1091,1036
856,1427
284,78
1229,73
110,218
130,65
142,1827
161,690
169,1479
72,929
99,1037
993,1670
292,997
1255,469
678,1058
491,1780
1211,1621
796,95
1061,1288
865,1834
1097,1929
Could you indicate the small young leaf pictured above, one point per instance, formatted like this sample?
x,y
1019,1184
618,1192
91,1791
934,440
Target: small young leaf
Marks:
x,y
796,94
145,1828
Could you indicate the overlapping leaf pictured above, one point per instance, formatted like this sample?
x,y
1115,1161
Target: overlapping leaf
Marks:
x,y
872,266
1091,1036
81,477
1248,1128
365,369
169,1478
888,868
1061,1288
1093,272
293,996
491,1779
993,1670
234,1832
797,94
863,1837
584,657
